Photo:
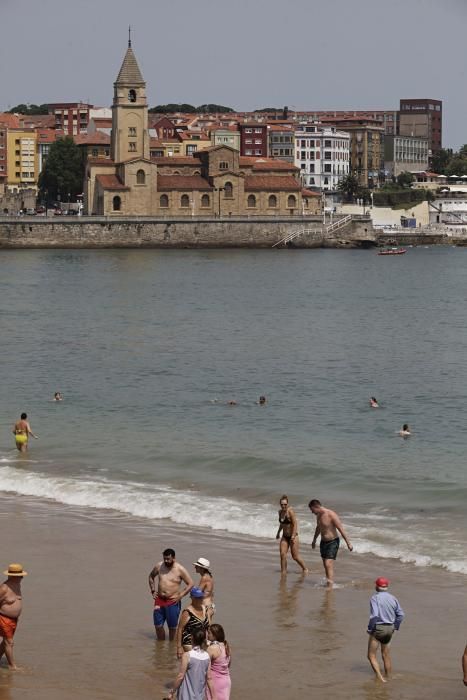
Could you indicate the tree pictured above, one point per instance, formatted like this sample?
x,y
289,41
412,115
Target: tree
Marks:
x,y
63,174
173,108
405,179
29,109
440,160
350,186
456,166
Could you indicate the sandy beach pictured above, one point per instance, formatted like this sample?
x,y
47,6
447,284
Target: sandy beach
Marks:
x,y
86,630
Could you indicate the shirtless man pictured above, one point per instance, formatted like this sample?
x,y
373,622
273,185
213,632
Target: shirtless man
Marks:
x,y
22,431
10,609
328,525
168,598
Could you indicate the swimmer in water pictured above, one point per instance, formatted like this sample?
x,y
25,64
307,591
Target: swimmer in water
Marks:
x,y
232,402
58,396
405,430
22,431
373,402
262,400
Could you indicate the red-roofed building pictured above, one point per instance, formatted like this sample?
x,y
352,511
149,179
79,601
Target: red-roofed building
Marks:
x,y
253,139
71,118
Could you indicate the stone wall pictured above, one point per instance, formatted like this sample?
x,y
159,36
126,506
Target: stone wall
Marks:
x,y
95,232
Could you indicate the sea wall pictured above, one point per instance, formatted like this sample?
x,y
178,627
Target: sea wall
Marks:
x,y
107,232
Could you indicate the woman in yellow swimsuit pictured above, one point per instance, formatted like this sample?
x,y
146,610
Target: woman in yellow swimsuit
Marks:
x,y
22,431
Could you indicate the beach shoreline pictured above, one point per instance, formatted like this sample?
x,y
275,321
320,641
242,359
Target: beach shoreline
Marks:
x,y
87,628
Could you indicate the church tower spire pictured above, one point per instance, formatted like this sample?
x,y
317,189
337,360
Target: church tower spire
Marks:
x,y
130,135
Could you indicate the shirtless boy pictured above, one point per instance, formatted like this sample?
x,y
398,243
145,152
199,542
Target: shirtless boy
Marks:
x,y
22,431
328,525
11,604
168,598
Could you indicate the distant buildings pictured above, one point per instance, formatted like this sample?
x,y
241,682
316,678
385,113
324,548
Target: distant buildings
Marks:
x,y
405,153
423,119
323,155
71,118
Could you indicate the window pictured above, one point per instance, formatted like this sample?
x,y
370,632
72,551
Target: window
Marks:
x,y
248,152
291,201
132,131
205,202
223,165
248,140
228,190
272,201
251,202
327,155
327,168
131,95
116,203
140,177
164,201
258,152
257,131
327,143
258,141
185,200
248,131
95,152
132,147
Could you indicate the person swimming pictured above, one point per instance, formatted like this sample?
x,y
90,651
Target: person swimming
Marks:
x,y
262,400
58,396
373,402
405,430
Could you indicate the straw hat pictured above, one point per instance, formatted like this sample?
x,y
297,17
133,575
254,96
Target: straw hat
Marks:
x,y
15,570
203,563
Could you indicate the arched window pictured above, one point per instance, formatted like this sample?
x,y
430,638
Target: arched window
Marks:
x,y
228,190
131,95
185,200
223,165
164,201
140,177
205,202
251,200
272,201
291,201
117,203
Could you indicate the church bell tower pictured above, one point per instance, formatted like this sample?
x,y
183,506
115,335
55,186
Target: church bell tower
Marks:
x,y
130,135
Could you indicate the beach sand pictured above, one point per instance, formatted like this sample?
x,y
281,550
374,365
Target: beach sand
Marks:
x,y
86,630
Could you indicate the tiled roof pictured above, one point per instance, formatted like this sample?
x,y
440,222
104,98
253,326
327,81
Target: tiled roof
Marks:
x,y
110,182
268,183
37,121
310,193
266,164
130,73
177,160
281,127
166,183
46,135
97,138
10,120
100,161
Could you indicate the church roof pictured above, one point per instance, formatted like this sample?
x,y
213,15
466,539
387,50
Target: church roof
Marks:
x,y
130,73
277,183
182,182
110,182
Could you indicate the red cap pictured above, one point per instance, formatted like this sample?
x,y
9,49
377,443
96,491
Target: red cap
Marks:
x,y
382,582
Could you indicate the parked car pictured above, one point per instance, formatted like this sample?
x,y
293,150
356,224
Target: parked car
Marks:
x,y
58,212
40,210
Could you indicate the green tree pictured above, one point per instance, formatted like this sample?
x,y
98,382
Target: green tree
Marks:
x,y
456,166
63,174
29,109
440,160
212,107
350,186
405,179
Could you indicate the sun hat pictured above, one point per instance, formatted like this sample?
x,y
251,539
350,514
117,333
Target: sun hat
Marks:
x,y
15,570
203,563
382,582
196,592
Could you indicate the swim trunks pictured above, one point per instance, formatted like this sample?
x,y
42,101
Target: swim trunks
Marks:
x,y
329,548
166,610
21,439
383,633
7,627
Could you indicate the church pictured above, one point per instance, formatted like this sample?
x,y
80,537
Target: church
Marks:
x,y
216,182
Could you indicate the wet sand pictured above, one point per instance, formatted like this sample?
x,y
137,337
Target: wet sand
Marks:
x,y
87,632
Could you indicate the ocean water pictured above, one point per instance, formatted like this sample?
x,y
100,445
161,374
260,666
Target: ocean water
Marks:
x,y
148,347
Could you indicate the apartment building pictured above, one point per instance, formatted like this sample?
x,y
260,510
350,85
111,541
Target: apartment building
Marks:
x,y
282,141
253,139
366,149
404,153
22,156
71,118
226,136
3,156
322,153
422,118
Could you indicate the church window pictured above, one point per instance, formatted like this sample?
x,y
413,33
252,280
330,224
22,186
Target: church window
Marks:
x,y
163,201
251,202
223,165
132,146
140,177
131,95
132,131
185,200
116,203
205,200
272,202
291,201
228,190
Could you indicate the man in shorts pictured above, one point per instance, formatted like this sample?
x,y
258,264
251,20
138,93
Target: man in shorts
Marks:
x,y
328,525
386,616
167,600
11,603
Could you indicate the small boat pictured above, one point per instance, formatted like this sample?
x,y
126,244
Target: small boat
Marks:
x,y
392,251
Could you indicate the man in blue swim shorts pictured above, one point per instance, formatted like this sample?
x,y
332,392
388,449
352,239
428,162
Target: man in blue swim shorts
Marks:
x,y
328,525
167,600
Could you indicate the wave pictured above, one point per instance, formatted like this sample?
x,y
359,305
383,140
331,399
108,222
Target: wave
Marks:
x,y
193,509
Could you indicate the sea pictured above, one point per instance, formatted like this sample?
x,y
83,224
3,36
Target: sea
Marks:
x,y
150,347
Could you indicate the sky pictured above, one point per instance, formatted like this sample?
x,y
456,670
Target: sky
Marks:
x,y
246,54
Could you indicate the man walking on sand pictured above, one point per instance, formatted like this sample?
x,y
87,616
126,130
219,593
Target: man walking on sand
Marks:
x,y
386,616
11,603
22,431
167,600
328,525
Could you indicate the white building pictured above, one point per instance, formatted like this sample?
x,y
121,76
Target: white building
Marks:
x,y
323,155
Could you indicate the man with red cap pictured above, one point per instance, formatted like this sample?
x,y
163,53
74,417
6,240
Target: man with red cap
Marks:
x,y
386,616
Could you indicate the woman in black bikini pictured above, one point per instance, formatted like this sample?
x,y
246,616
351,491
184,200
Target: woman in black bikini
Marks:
x,y
289,539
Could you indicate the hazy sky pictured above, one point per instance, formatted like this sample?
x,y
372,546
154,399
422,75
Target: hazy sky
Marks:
x,y
247,54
